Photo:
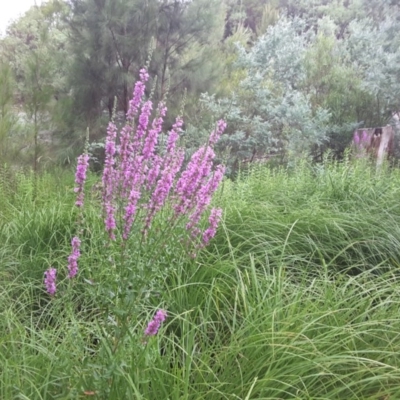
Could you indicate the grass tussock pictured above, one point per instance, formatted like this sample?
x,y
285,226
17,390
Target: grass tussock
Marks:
x,y
340,216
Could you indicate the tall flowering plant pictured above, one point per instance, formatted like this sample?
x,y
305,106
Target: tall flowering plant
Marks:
x,y
141,178
80,179
147,180
149,193
154,201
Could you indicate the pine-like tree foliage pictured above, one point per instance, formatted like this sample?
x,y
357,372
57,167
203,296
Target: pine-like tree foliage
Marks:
x,y
33,49
112,39
8,121
109,42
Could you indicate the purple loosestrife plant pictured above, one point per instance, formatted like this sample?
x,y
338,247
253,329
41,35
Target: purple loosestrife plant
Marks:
x,y
73,258
143,178
142,126
216,134
147,178
138,94
135,175
140,178
192,179
163,186
214,219
361,140
152,137
124,153
174,135
356,139
154,325
127,145
153,172
203,199
80,179
50,277
364,137
197,173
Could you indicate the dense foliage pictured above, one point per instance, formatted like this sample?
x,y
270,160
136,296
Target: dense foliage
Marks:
x,y
291,77
150,274
296,297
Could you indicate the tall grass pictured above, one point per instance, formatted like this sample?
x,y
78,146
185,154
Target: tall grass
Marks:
x,y
296,298
340,216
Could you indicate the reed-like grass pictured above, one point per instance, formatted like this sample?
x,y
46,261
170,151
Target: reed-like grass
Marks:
x,y
340,216
297,297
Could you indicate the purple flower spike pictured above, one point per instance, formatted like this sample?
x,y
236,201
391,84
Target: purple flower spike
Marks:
x,y
154,325
50,281
73,258
214,219
215,135
138,93
143,124
174,134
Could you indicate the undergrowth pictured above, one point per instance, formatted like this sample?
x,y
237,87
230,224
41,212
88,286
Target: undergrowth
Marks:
x,y
297,297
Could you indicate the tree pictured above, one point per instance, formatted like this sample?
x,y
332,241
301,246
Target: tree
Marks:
x,y
8,120
32,48
254,15
375,53
38,92
111,41
269,113
334,84
187,42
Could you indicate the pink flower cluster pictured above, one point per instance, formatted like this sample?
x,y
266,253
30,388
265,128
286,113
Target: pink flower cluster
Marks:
x,y
138,176
154,325
80,179
50,281
213,220
73,258
360,139
361,142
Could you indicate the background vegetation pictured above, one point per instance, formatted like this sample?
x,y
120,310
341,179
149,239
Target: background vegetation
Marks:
x,y
290,77
297,296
